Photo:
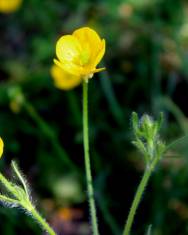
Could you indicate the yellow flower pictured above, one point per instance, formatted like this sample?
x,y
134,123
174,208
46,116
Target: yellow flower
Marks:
x,y
79,54
1,147
8,6
63,80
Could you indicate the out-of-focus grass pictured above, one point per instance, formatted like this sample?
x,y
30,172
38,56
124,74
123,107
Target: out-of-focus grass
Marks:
x,y
146,60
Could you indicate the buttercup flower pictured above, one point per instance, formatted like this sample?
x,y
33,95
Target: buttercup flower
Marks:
x,y
8,6
64,80
1,147
79,54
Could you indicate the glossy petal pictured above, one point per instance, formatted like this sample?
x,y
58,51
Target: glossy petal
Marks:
x,y
70,68
89,40
64,80
87,35
1,147
98,57
100,54
79,54
68,49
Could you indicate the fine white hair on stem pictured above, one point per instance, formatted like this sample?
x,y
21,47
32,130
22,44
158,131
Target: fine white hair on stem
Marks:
x,y
21,177
8,202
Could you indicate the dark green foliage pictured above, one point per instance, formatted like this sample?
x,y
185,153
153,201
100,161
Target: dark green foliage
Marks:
x,y
146,71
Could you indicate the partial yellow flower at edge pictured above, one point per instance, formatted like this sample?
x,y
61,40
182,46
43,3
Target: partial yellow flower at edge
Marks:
x,y
1,147
9,6
79,54
64,80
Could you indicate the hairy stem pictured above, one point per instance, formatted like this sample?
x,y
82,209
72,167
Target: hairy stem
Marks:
x,y
42,222
138,196
87,160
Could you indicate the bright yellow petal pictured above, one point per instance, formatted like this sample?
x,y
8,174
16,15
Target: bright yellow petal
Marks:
x,y
100,54
87,35
79,54
96,60
69,67
68,49
68,52
88,39
1,147
64,80
8,6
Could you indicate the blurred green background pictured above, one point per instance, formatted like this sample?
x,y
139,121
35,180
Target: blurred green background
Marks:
x,y
146,64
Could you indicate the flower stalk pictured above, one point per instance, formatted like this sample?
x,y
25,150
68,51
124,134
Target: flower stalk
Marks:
x,y
149,144
19,196
42,222
87,160
137,198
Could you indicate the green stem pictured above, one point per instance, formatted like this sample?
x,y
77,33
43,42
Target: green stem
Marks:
x,y
138,197
42,222
26,204
87,160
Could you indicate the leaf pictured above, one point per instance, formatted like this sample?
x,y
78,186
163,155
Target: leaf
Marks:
x,y
21,178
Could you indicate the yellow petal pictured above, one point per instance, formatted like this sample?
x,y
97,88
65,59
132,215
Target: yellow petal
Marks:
x,y
87,35
88,38
68,49
79,54
8,6
1,147
64,80
96,60
100,53
69,67
68,52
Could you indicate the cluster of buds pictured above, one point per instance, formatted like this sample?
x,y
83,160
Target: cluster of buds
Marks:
x,y
147,138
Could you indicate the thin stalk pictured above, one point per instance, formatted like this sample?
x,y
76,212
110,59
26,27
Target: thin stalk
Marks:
x,y
26,204
42,222
138,197
87,161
